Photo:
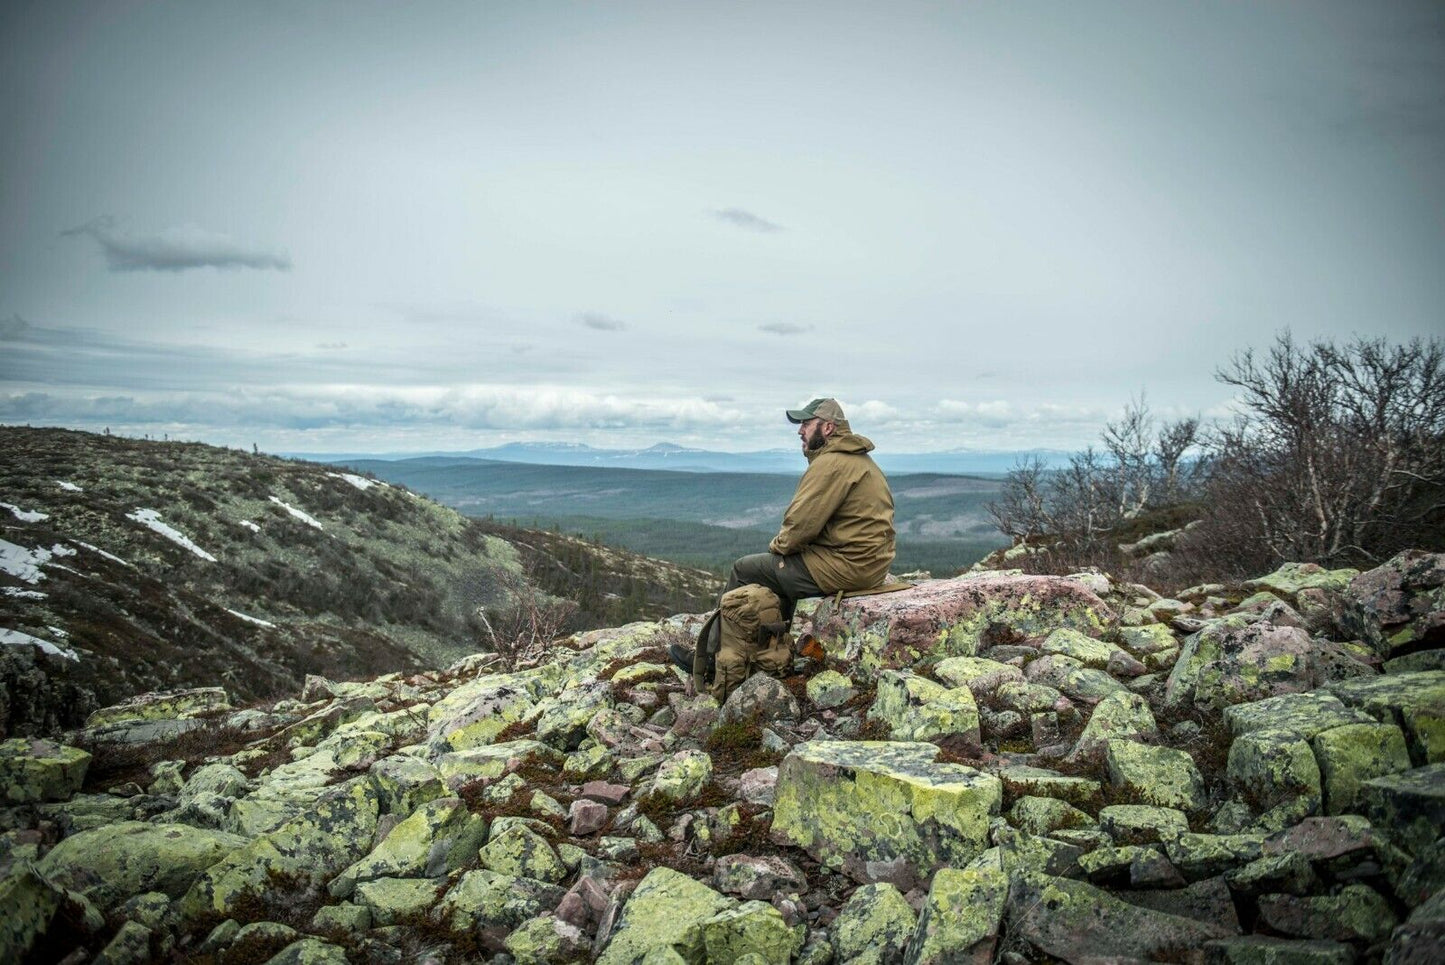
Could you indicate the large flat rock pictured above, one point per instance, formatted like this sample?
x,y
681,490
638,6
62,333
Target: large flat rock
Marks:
x,y
954,618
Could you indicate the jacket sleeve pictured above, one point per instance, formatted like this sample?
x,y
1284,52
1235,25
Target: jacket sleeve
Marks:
x,y
819,494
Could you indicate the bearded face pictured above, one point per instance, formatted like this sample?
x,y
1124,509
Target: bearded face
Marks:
x,y
813,435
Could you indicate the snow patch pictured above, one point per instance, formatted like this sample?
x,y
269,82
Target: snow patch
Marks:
x,y
19,594
59,633
152,520
15,638
249,619
250,525
69,487
21,563
109,556
306,518
360,482
25,515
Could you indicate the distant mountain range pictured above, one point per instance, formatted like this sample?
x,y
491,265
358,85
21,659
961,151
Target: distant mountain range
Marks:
x,y
669,456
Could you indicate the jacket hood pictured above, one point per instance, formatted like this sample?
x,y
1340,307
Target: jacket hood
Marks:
x,y
844,440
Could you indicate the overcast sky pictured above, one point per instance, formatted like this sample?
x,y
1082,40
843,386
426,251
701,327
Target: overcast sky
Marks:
x,y
384,226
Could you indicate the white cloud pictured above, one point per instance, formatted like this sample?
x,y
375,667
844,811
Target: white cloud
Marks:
x,y
600,322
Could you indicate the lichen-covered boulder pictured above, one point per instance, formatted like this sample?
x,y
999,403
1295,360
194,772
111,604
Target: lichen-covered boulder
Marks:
x,y
1399,606
1119,716
915,708
1090,652
547,940
1268,950
1072,678
873,926
494,761
1354,913
521,852
947,618
404,783
828,688
1409,807
1350,755
394,900
1021,779
1287,581
309,849
1303,715
562,718
1237,660
759,699
665,911
1276,771
486,899
1136,824
1206,855
1043,815
1155,775
979,675
682,776
882,811
32,769
761,877
435,839
1415,701
167,705
1074,921
961,918
110,864
309,951
474,714
752,931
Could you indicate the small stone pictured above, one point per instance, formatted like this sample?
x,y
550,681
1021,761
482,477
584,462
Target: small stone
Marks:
x,y
828,688
1042,815
586,817
610,794
1157,775
1142,823
522,852
32,769
758,877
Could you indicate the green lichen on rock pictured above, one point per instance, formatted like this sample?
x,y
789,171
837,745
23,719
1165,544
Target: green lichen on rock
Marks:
x,y
882,811
1304,715
1350,755
1290,578
915,708
494,760
404,783
665,911
392,900
874,925
545,940
39,770
169,705
1155,775
1275,771
961,917
1022,779
111,864
976,673
1409,807
1119,716
682,776
1148,639
1142,823
522,852
482,899
1416,700
1206,855
1042,815
309,951
1087,650
312,847
754,929
829,688
439,837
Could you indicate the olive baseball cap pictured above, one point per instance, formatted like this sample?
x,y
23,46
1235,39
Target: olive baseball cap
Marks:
x,y
826,409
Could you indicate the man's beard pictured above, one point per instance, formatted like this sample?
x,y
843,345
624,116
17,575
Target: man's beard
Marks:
x,y
815,440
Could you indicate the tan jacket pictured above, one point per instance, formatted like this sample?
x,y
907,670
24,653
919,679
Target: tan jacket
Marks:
x,y
841,517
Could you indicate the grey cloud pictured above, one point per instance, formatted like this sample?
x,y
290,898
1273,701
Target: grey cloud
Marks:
x,y
175,249
13,327
602,323
332,346
739,218
784,328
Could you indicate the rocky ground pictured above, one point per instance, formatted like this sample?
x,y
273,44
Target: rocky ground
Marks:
x,y
997,767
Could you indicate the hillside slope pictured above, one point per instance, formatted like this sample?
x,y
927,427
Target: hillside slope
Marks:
x,y
129,565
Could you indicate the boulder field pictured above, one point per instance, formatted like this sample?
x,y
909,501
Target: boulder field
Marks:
x,y
992,768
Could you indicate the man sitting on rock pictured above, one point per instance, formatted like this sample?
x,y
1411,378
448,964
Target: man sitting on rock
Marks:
x,y
837,535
